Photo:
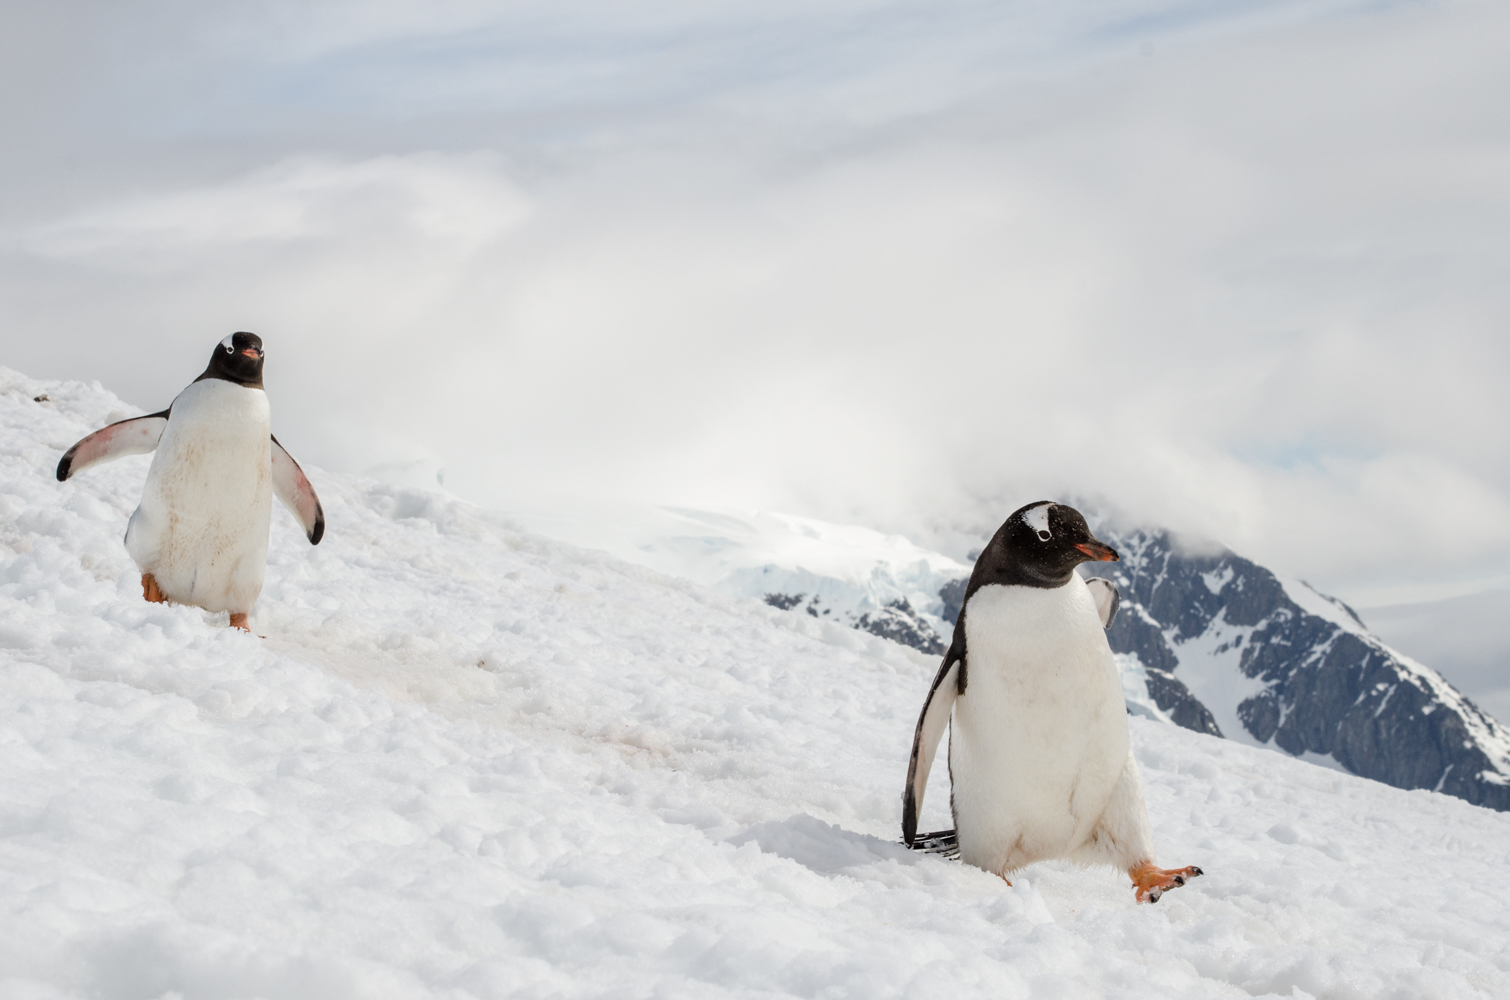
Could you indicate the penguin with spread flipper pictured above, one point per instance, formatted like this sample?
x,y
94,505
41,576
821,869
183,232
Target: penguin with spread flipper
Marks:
x,y
200,534
1039,758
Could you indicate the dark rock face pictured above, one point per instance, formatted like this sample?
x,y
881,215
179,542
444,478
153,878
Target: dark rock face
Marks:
x,y
898,621
787,602
1182,707
1135,631
1308,678
953,596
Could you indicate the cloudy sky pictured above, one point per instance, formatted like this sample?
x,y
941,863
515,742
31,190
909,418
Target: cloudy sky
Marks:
x,y
1234,267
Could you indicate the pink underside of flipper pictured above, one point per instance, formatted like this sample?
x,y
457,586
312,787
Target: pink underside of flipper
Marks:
x,y
128,437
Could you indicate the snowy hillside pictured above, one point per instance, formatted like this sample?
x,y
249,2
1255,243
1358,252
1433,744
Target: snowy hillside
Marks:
x,y
467,761
878,583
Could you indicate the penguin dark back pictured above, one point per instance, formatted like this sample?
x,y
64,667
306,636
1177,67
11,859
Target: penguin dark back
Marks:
x,y
238,358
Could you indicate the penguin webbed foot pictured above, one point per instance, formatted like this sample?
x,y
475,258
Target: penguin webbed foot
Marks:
x,y
1151,882
239,621
150,590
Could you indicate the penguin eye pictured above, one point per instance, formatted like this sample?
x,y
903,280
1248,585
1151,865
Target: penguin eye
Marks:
x,y
1044,536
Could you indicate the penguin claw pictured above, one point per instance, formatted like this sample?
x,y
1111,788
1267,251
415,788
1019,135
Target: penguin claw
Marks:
x,y
1151,883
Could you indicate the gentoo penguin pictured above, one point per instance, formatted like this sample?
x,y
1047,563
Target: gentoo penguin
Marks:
x,y
1039,759
200,534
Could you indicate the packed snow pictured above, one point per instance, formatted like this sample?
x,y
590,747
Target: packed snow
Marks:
x,y
468,761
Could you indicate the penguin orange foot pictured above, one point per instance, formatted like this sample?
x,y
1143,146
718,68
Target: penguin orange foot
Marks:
x,y
239,621
150,590
1151,882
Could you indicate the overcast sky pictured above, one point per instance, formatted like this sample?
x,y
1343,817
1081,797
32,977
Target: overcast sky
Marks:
x,y
1237,268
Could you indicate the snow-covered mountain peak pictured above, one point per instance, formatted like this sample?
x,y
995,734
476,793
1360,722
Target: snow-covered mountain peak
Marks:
x,y
1274,662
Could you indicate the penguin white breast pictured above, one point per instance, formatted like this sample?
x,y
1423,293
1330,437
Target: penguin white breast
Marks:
x,y
202,527
1039,738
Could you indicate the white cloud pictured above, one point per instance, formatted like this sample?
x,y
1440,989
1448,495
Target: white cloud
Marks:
x,y
418,199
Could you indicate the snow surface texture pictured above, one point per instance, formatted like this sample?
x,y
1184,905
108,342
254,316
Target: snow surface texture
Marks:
x,y
471,762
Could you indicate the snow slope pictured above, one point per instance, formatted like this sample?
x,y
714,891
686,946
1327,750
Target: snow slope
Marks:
x,y
883,584
467,761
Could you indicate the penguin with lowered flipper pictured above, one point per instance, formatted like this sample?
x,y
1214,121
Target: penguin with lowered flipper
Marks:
x,y
1039,759
200,534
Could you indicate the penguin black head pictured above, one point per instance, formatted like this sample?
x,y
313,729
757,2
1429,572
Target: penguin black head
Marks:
x,y
1040,545
237,358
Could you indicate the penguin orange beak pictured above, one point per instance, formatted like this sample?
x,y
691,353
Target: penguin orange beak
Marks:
x,y
1099,552
251,352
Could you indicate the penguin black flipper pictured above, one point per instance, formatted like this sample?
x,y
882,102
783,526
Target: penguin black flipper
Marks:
x,y
135,436
294,491
931,725
1104,593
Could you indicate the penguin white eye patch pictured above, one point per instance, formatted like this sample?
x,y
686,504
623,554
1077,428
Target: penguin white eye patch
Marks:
x,y
1037,518
229,343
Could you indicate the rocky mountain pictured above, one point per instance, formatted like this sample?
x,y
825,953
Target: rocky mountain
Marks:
x,y
896,619
1231,648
